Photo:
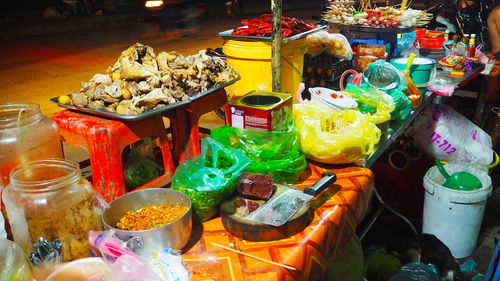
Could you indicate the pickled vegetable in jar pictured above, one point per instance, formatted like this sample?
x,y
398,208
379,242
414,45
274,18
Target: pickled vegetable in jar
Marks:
x,y
25,135
50,199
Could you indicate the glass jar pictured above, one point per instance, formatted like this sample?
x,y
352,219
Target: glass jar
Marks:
x,y
25,134
50,199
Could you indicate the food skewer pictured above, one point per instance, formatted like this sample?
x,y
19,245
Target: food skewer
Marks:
x,y
255,257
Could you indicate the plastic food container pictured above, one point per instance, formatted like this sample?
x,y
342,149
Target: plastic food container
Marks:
x,y
421,70
25,134
362,62
377,50
50,199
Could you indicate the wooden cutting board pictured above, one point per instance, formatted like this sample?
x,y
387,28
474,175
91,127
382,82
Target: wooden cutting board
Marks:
x,y
240,227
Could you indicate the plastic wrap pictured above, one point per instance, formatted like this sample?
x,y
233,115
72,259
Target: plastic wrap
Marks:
x,y
445,134
372,101
210,178
276,153
334,137
13,265
416,271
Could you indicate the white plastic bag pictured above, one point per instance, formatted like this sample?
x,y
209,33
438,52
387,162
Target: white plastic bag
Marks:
x,y
335,44
446,135
342,50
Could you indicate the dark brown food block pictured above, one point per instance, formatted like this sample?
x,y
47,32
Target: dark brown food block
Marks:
x,y
255,186
245,206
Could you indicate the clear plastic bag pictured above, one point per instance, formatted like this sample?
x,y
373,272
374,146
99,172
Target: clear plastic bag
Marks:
x,y
123,263
335,44
276,153
13,265
445,134
170,264
337,137
210,178
372,101
384,76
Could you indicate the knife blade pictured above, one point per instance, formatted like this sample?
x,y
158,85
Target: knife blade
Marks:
x,y
279,209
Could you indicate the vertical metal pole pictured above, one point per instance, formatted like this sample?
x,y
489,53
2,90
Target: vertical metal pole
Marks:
x,y
276,6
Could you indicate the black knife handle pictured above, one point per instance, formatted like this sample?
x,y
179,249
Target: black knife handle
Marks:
x,y
327,179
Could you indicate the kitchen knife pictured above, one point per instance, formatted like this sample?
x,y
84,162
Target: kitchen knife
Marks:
x,y
280,208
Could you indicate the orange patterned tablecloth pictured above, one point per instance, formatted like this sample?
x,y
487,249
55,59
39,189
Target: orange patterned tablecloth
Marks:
x,y
333,225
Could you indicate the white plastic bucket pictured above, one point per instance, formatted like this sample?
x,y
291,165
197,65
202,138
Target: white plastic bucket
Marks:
x,y
451,215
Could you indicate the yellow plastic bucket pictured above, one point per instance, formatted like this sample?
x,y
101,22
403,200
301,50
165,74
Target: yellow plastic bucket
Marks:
x,y
252,61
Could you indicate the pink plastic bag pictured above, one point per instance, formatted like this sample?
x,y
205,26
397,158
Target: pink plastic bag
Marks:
x,y
478,54
124,264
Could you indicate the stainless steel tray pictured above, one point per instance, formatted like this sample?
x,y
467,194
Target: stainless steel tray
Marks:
x,y
227,35
135,117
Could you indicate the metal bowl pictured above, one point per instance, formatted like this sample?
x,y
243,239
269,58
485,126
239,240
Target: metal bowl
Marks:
x,y
174,235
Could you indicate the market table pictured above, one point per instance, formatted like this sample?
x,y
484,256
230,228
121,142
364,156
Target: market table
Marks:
x,y
345,205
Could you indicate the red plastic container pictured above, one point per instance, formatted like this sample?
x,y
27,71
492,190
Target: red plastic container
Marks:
x,y
431,43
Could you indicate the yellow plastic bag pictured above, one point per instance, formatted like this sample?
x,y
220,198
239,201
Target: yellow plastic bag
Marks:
x,y
334,137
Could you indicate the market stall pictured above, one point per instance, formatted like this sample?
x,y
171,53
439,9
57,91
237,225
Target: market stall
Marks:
x,y
273,194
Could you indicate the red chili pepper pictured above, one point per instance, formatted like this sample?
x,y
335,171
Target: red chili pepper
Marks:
x,y
262,26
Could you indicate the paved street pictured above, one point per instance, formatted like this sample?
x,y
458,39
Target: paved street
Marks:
x,y
37,68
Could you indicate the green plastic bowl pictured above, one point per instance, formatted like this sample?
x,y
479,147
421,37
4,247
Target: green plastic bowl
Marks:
x,y
420,70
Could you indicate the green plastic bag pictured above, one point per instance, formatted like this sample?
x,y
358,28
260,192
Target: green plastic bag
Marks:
x,y
276,153
140,166
372,101
386,77
402,104
210,178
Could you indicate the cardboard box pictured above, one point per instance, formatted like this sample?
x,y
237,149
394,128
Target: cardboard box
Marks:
x,y
260,110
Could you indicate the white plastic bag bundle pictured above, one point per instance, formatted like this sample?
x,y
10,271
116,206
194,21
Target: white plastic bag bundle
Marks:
x,y
446,135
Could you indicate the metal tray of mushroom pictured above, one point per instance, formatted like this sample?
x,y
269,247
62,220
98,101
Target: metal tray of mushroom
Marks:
x,y
141,84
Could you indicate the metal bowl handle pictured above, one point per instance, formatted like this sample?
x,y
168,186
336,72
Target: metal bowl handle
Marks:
x,y
135,243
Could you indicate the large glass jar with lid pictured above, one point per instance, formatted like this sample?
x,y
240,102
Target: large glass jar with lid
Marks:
x,y
25,134
50,199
